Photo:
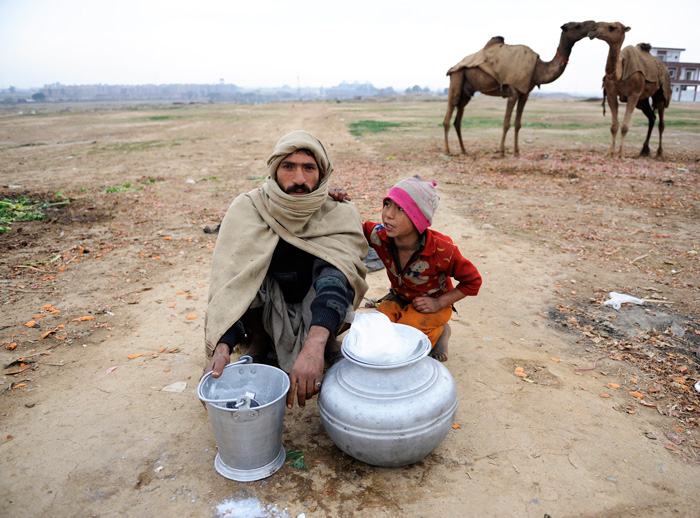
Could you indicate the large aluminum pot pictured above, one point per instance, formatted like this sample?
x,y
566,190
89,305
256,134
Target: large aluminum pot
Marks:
x,y
246,407
388,415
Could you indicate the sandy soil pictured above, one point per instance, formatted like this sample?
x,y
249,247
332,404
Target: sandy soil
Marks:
x,y
123,270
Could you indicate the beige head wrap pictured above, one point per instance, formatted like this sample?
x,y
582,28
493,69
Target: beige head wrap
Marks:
x,y
294,211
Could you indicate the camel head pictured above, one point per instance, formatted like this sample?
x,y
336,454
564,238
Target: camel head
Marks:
x,y
612,33
575,31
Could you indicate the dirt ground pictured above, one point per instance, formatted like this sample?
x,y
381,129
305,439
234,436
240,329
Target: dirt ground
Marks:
x,y
116,284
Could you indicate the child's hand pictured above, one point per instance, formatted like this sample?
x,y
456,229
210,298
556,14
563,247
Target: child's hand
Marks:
x,y
426,305
338,194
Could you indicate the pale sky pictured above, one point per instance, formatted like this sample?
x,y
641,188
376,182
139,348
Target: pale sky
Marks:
x,y
268,43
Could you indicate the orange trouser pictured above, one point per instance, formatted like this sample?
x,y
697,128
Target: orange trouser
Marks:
x,y
430,323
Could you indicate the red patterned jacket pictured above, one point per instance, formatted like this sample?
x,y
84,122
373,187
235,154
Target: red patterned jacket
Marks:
x,y
429,271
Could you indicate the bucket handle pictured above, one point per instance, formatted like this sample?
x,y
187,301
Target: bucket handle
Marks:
x,y
243,360
244,413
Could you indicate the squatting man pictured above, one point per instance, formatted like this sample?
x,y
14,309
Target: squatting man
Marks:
x,y
287,270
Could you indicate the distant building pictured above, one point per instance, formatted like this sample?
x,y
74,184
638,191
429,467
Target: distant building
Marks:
x,y
685,77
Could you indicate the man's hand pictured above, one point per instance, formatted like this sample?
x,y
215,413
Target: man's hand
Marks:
x,y
307,371
221,358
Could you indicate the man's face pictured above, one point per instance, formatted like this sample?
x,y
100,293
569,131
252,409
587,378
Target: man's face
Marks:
x,y
298,174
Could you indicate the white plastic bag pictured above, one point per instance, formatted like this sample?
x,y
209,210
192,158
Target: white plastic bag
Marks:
x,y
372,338
617,299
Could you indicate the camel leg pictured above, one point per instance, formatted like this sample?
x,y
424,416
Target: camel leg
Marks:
x,y
506,122
458,124
632,101
518,116
647,110
661,106
612,103
446,124
454,100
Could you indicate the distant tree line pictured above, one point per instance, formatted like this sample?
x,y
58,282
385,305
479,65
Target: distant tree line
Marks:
x,y
209,93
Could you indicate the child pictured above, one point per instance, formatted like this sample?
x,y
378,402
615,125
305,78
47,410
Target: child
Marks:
x,y
419,262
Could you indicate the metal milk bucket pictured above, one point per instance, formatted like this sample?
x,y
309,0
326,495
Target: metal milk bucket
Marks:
x,y
246,408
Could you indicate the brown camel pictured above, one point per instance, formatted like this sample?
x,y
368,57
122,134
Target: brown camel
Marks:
x,y
634,76
477,75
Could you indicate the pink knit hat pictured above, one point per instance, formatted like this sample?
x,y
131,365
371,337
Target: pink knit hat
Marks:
x,y
417,198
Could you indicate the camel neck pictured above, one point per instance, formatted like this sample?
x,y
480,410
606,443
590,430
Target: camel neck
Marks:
x,y
564,59
564,49
613,59
551,70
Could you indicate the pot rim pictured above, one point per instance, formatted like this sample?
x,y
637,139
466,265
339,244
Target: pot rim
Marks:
x,y
421,352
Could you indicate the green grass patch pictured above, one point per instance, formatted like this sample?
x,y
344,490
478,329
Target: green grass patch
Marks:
x,y
180,116
126,187
152,181
682,123
481,122
488,122
24,209
570,126
138,145
21,209
30,144
369,127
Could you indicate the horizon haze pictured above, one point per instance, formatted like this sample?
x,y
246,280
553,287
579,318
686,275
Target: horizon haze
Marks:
x,y
274,43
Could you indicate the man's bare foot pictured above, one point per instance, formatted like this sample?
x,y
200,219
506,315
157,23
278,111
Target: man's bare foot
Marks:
x,y
439,352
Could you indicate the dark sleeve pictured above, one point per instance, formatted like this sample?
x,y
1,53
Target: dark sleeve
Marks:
x,y
233,336
333,296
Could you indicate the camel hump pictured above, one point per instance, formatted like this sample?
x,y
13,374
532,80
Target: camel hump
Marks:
x,y
496,40
636,59
511,65
646,47
478,58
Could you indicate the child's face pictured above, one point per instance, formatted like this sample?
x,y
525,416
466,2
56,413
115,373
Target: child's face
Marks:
x,y
396,221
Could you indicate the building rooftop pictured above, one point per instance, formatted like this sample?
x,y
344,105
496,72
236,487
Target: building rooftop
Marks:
x,y
680,64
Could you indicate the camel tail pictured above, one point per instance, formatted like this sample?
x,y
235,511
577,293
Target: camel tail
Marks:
x,y
655,105
603,103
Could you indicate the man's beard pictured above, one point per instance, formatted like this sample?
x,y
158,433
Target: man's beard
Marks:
x,y
303,188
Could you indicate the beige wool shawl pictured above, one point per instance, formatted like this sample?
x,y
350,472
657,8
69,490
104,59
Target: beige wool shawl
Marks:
x,y
255,222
